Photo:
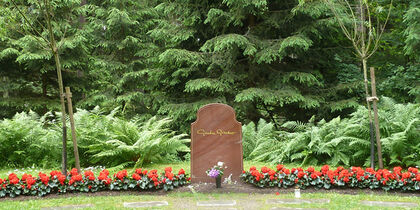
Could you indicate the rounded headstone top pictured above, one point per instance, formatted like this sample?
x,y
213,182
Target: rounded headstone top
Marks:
x,y
216,109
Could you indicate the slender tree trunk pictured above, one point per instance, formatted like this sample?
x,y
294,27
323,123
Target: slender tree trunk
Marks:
x,y
73,129
363,56
60,85
63,111
82,19
372,144
44,91
6,91
375,112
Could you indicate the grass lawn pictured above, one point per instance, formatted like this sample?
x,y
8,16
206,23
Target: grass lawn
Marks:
x,y
188,201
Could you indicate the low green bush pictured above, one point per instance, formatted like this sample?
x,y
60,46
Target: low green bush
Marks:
x,y
103,139
339,141
28,139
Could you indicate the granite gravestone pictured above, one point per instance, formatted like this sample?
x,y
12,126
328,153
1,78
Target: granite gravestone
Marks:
x,y
216,136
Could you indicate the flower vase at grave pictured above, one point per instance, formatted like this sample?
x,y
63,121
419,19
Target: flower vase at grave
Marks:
x,y
219,182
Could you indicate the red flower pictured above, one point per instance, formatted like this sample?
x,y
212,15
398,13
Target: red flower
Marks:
x,y
346,179
106,172
397,170
417,178
169,175
300,174
330,175
188,179
257,178
77,178
88,173
271,172
136,177
181,171
55,173
108,181
30,181
138,171
406,175
413,170
325,169
253,168
144,172
156,183
168,169
121,174
286,171
279,167
74,172
370,170
296,181
102,176
311,169
152,174
90,187
314,176
360,172
61,178
255,173
265,169
44,178
12,176
25,176
277,193
14,181
1,181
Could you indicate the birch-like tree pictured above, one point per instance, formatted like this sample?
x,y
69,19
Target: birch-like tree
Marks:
x,y
365,34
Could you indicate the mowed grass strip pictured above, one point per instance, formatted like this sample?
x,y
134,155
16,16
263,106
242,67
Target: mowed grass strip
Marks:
x,y
189,200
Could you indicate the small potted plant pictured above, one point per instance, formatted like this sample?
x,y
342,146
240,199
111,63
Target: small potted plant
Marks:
x,y
217,173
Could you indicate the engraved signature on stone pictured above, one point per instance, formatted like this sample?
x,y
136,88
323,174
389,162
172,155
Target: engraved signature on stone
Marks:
x,y
219,132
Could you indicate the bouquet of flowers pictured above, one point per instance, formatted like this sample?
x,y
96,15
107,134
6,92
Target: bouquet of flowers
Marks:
x,y
216,171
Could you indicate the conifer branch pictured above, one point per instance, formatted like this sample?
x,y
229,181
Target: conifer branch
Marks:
x,y
29,23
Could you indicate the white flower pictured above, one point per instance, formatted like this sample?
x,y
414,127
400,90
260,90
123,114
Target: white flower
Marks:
x,y
220,164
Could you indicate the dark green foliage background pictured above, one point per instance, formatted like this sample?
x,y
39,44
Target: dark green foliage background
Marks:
x,y
278,61
268,59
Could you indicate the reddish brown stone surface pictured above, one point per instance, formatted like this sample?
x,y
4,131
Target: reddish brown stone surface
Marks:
x,y
216,136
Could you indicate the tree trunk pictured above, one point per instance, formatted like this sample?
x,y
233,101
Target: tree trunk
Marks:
x,y
60,86
372,144
375,112
6,91
73,129
363,55
44,91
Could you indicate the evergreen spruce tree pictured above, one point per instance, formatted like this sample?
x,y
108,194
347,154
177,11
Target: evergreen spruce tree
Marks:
x,y
28,73
267,59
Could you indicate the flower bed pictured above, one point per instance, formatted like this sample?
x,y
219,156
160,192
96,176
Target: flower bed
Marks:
x,y
56,182
355,177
